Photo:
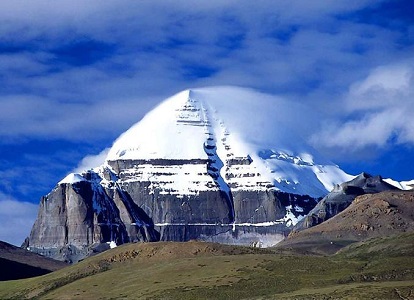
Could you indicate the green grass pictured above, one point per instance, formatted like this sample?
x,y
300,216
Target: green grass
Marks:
x,y
376,269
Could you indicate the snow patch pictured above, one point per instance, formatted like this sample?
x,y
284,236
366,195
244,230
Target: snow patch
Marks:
x,y
290,219
112,244
403,185
72,178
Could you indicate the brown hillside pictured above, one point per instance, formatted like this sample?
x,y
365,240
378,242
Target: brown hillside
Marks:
x,y
165,251
368,216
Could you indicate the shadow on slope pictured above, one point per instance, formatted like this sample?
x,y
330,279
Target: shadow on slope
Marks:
x,y
18,263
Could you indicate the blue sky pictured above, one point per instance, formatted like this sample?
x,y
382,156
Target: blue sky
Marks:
x,y
75,74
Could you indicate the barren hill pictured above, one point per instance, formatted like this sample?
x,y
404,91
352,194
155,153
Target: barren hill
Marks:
x,y
368,216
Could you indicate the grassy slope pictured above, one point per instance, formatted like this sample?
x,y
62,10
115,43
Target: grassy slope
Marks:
x,y
376,269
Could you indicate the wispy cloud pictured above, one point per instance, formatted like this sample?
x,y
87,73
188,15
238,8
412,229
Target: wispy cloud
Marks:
x,y
31,169
27,116
91,161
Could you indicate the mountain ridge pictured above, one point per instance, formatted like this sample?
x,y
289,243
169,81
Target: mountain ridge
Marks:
x,y
341,197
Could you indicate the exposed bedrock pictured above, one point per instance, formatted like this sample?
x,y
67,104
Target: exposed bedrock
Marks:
x,y
75,218
206,207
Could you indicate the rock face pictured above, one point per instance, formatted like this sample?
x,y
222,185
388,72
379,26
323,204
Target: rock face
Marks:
x,y
341,197
80,218
211,165
77,217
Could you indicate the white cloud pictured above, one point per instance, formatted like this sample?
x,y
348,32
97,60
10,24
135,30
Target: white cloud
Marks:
x,y
385,87
16,219
377,112
301,50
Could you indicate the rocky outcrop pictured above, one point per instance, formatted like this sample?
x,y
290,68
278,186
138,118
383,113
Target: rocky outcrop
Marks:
x,y
75,218
341,197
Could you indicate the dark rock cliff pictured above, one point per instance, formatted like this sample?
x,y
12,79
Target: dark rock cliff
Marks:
x,y
77,219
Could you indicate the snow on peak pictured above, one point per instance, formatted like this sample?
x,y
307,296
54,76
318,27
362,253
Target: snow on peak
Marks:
x,y
403,185
72,178
247,134
178,127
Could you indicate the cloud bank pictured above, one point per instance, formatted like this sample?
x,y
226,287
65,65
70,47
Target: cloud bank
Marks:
x,y
85,70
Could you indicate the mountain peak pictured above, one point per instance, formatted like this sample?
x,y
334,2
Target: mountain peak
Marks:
x,y
239,125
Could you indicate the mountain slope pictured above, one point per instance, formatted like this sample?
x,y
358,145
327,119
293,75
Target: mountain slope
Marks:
x,y
403,185
17,263
371,215
382,268
341,197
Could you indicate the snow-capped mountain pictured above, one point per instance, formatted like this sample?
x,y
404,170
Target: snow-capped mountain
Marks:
x,y
243,135
219,164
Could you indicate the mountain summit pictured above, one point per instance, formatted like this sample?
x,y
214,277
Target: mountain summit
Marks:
x,y
218,164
